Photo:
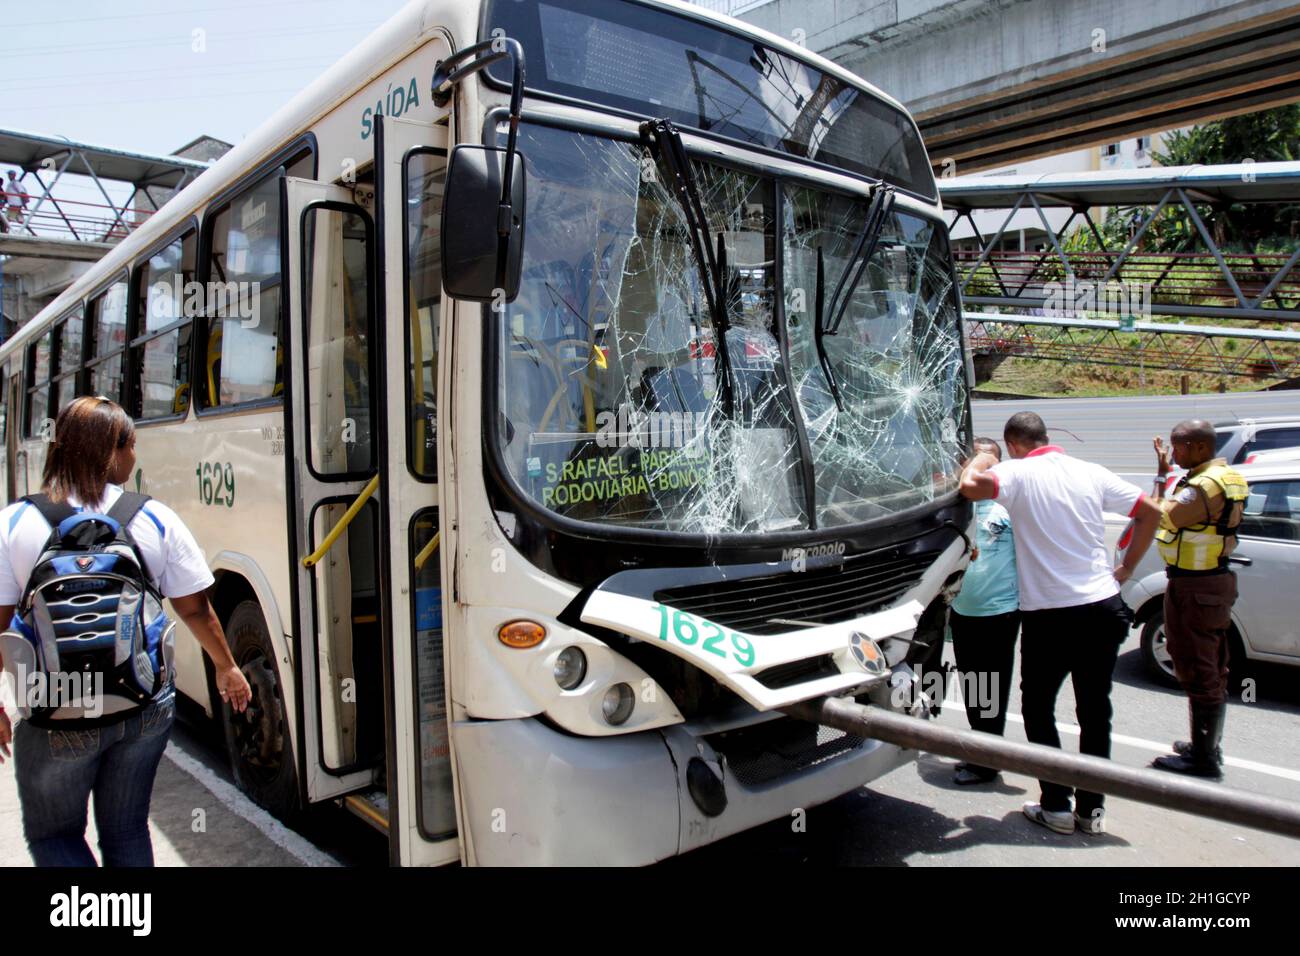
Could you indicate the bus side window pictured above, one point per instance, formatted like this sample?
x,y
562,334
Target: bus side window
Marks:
x,y
244,360
67,352
108,339
337,249
425,175
37,385
160,351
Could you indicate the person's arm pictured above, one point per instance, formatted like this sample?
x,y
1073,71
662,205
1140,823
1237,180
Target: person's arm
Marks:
x,y
197,613
1162,467
977,483
1146,518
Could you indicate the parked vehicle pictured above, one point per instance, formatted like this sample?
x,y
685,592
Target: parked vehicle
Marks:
x,y
1247,441
1273,456
1236,440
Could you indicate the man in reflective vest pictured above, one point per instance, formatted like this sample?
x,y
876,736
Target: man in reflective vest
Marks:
x,y
1197,533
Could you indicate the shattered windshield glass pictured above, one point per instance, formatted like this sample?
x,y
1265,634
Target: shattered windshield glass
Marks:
x,y
895,359
623,401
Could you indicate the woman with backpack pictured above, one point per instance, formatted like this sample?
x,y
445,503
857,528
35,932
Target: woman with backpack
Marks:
x,y
109,743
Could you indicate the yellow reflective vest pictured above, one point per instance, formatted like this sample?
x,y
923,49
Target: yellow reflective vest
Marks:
x,y
1201,547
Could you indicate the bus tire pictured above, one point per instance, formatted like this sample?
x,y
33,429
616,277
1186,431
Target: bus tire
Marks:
x,y
258,741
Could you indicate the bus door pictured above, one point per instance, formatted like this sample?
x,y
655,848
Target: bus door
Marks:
x,y
339,534
7,411
413,159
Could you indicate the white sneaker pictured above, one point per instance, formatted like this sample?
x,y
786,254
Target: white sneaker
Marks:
x,y
1094,824
1061,821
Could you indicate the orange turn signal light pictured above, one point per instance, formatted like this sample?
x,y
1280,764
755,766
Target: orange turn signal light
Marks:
x,y
521,634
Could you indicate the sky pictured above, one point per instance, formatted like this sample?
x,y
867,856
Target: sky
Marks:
x,y
152,75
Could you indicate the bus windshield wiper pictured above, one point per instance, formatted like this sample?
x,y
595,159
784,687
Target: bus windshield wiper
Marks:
x,y
819,330
667,143
864,247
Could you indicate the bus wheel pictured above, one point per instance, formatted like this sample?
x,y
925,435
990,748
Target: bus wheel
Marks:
x,y
261,755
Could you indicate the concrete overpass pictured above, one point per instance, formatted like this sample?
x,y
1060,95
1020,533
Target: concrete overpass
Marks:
x,y
995,81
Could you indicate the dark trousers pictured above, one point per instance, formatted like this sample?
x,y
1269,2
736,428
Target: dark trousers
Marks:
x,y
1081,642
985,648
1198,613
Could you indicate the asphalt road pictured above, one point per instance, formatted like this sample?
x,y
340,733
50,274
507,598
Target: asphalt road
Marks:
x,y
916,816
1117,432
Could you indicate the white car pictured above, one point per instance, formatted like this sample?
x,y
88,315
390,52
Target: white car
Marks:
x,y
1266,617
1236,440
1272,456
1248,440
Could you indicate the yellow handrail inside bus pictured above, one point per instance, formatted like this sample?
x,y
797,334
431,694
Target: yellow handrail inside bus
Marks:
x,y
213,341
427,551
338,529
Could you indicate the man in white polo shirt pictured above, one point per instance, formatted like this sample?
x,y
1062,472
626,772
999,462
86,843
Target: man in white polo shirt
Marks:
x,y
1073,620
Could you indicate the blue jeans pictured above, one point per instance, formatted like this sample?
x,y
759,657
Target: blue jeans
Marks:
x,y
57,770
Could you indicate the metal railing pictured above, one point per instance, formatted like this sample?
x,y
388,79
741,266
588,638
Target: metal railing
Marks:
x,y
1163,228
1169,346
1179,283
79,220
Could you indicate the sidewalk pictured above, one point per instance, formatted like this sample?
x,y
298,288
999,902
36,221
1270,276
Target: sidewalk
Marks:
x,y
196,819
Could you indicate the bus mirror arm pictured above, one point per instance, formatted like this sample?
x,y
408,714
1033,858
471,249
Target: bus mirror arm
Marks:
x,y
482,255
447,73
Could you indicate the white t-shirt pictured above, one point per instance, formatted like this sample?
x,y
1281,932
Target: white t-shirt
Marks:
x,y
169,550
1056,505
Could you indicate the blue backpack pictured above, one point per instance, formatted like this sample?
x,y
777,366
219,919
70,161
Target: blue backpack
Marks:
x,y
90,616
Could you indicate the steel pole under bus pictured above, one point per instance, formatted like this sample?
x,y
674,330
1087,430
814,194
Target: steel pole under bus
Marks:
x,y
1190,795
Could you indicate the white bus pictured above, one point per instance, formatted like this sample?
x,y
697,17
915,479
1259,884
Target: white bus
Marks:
x,y
533,497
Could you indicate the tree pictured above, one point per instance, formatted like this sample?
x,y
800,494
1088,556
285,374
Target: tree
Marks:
x,y
1268,136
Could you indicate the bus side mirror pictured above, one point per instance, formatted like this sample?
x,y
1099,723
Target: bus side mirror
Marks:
x,y
483,224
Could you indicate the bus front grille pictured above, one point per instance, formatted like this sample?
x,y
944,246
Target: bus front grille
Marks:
x,y
775,603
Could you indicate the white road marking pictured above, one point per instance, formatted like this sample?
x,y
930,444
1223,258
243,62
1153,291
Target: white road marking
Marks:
x,y
241,806
1153,746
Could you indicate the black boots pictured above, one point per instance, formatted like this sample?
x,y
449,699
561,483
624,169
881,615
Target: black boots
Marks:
x,y
1201,756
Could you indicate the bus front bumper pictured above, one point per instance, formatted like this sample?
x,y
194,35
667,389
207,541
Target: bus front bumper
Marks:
x,y
535,796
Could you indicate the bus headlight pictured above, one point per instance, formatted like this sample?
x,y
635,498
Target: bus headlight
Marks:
x,y
570,668
618,703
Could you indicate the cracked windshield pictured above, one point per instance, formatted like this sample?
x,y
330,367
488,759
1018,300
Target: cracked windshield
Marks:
x,y
653,375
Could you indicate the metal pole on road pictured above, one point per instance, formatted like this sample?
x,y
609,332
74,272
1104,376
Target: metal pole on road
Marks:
x,y
1187,794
